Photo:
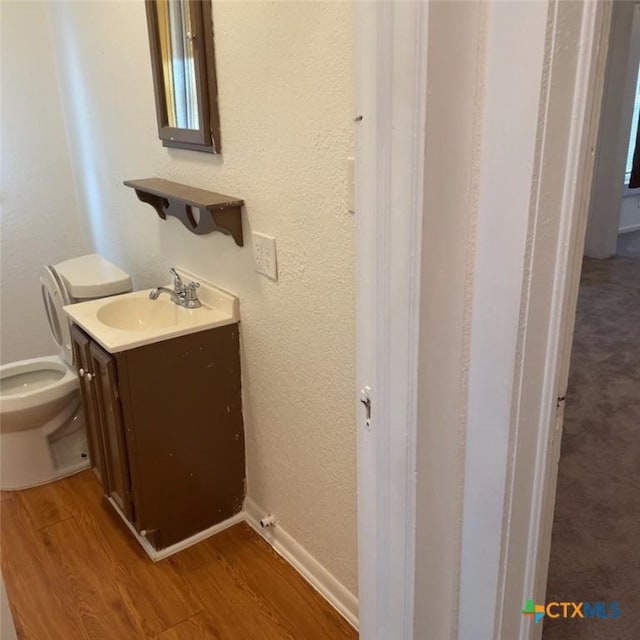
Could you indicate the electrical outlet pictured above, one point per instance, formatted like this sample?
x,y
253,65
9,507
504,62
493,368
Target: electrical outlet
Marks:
x,y
257,252
264,255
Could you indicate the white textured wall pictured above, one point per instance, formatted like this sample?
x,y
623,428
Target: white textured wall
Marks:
x,y
613,137
39,216
630,212
285,83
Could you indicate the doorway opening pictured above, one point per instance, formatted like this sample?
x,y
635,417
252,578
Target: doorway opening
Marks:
x,y
594,556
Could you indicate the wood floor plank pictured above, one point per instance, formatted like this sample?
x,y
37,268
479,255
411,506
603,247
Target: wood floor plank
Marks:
x,y
198,627
75,571
252,563
255,564
236,611
37,592
196,556
100,589
50,503
155,595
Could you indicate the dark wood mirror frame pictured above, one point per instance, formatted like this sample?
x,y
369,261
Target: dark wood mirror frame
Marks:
x,y
207,138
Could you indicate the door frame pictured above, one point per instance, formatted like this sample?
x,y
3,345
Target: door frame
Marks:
x,y
567,149
390,41
511,538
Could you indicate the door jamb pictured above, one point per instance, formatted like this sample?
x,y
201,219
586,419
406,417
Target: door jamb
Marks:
x,y
391,82
529,579
391,78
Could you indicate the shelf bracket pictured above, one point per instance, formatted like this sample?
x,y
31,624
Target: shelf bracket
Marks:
x,y
199,210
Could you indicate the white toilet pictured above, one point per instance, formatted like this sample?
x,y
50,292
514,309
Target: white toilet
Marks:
x,y
42,432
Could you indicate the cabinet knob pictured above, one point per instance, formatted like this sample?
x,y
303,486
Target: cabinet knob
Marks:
x,y
90,376
81,372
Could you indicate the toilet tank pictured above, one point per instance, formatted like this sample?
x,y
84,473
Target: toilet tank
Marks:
x,y
92,276
75,280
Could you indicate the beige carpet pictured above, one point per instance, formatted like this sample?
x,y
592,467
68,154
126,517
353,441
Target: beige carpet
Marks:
x,y
595,552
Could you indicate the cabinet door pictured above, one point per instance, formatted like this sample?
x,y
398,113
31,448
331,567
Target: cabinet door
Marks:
x,y
116,459
182,407
82,357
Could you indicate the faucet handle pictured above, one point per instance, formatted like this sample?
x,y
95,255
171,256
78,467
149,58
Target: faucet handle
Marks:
x,y
178,285
190,291
191,297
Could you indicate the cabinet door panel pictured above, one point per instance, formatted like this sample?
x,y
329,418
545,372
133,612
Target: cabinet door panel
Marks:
x,y
117,465
82,358
182,404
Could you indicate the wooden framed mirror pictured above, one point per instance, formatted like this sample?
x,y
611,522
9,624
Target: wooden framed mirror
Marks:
x,y
184,73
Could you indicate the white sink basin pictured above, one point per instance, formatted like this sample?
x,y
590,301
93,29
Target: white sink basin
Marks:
x,y
133,319
139,314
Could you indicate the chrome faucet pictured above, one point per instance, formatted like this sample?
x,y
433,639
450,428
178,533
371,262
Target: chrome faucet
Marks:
x,y
184,295
178,285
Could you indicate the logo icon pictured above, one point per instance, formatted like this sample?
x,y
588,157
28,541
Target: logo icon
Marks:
x,y
534,611
584,610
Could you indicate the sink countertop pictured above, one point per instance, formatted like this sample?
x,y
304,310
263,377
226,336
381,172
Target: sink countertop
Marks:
x,y
218,308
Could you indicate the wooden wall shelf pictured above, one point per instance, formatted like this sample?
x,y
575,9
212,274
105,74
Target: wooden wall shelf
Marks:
x,y
199,210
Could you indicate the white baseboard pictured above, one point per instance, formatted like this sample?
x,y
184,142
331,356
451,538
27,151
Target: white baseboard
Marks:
x,y
300,559
157,555
629,228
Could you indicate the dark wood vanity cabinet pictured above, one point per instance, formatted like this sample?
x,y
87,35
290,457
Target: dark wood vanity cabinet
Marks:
x,y
111,430
165,430
82,357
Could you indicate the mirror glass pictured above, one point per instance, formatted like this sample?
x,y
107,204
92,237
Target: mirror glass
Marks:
x,y
176,34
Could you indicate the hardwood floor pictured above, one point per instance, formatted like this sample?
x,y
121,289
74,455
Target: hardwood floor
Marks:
x,y
74,572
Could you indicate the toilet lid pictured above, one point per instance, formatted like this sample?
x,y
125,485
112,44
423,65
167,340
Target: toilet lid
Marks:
x,y
55,296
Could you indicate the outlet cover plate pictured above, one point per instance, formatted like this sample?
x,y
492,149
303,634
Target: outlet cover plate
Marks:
x,y
264,255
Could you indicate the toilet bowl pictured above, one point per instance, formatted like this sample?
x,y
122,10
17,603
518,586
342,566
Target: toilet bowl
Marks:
x,y
38,397
42,430
34,390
